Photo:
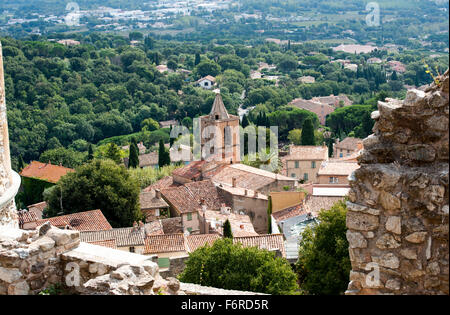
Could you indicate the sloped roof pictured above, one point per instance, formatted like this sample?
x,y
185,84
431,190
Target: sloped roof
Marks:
x,y
164,243
269,242
349,143
307,153
162,183
149,159
218,108
129,236
45,171
320,109
148,200
188,197
337,168
241,224
38,208
289,212
209,78
195,241
93,220
314,204
191,171
247,177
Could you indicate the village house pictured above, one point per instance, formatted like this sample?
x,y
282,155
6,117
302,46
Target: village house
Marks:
x,y
335,172
334,100
207,82
347,147
145,160
168,123
307,79
320,109
303,162
153,206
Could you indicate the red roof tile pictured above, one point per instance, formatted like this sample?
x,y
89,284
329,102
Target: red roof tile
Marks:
x,y
93,220
196,241
165,182
44,171
269,242
289,212
164,243
187,198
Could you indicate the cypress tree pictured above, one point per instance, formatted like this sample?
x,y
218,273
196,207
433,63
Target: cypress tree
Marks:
x,y
269,215
163,155
245,122
21,165
133,160
227,233
90,152
307,137
197,59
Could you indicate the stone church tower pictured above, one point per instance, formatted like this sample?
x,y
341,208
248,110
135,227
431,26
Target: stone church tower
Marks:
x,y
9,180
220,137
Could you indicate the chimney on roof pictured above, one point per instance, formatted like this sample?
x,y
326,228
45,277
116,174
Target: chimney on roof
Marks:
x,y
233,182
246,192
60,164
256,194
158,193
241,226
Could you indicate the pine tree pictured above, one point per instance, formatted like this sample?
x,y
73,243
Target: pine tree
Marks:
x,y
227,233
133,160
156,58
307,137
394,76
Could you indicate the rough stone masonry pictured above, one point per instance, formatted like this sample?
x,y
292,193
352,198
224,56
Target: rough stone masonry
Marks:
x,y
398,210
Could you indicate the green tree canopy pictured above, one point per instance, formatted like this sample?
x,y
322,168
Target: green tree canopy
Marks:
x,y
227,229
323,264
100,184
234,267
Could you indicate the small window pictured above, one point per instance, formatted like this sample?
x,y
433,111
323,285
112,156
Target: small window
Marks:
x,y
341,155
293,175
296,164
189,216
305,176
217,117
189,230
132,250
313,164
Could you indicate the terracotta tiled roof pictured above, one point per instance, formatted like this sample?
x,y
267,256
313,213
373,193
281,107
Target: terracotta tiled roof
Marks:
x,y
154,228
307,153
241,224
129,236
172,225
27,217
162,183
247,177
187,198
208,77
148,200
38,208
269,242
320,109
349,143
149,159
337,168
199,240
44,171
164,243
106,243
289,213
314,204
191,171
93,220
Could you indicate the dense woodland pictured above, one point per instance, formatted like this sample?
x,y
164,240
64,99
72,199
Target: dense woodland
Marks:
x,y
64,98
